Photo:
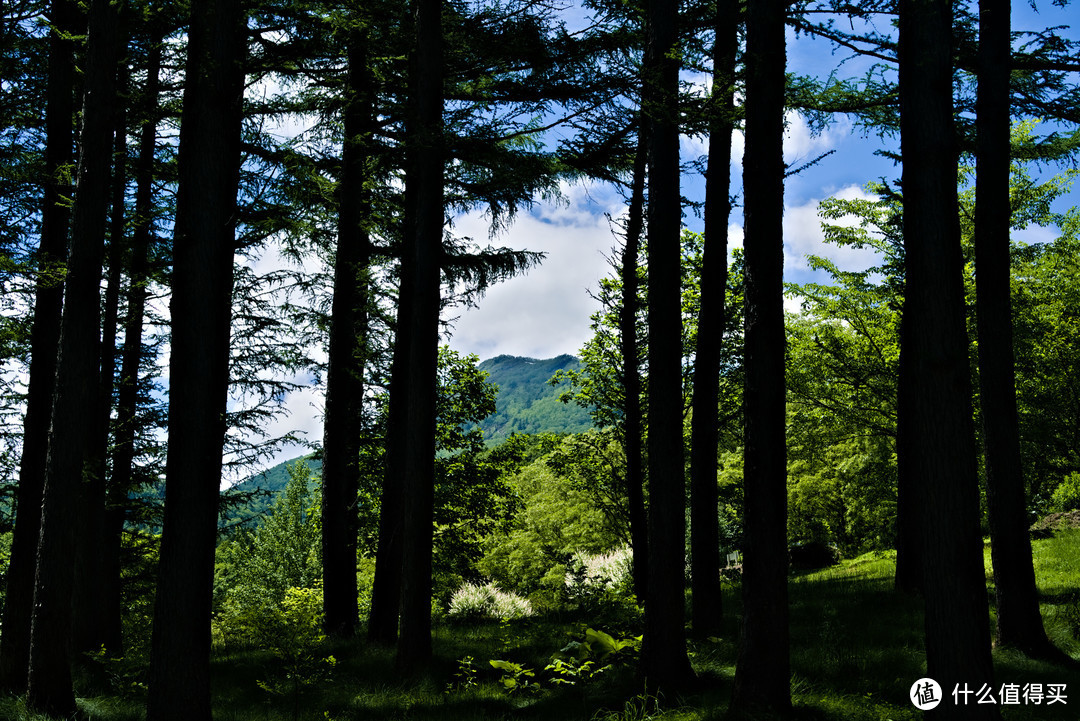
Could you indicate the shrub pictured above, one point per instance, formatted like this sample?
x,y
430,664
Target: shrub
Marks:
x,y
472,602
607,571
1066,496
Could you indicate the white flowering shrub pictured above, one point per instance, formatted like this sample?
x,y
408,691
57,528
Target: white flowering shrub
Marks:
x,y
477,603
607,571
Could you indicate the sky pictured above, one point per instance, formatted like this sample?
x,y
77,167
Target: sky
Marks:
x,y
546,312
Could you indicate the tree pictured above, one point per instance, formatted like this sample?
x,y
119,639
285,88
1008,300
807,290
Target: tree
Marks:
x,y
706,609
411,428
935,382
49,686
762,675
1019,622
44,343
204,241
664,662
348,345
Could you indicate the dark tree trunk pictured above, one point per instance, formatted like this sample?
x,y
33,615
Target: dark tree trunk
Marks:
x,y
49,688
937,387
762,675
413,384
345,376
909,576
88,621
664,662
706,609
44,345
631,373
1019,623
123,459
209,162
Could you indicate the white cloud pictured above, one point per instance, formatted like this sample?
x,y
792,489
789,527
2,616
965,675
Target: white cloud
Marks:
x,y
545,312
803,236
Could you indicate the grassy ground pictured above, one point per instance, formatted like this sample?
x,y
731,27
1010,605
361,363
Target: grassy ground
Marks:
x,y
856,650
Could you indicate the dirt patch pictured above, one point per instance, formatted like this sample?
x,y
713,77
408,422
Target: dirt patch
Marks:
x,y
1048,525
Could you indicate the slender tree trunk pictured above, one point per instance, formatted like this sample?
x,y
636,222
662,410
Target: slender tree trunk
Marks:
x,y
345,376
1019,623
664,662
88,622
49,688
204,241
123,460
706,609
44,345
937,388
631,373
418,326
762,675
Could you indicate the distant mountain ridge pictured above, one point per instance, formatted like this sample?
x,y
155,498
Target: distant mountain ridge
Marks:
x,y
526,403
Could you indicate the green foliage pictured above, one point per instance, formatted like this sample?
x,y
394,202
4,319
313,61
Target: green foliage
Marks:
x,y
1066,496
555,521
526,403
298,644
256,570
515,678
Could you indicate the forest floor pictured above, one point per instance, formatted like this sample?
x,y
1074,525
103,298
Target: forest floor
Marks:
x,y
857,648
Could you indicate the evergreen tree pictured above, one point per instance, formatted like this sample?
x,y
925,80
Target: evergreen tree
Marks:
x,y
762,676
203,246
935,390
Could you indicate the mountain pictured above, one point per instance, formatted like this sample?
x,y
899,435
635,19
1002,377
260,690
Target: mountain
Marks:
x,y
526,403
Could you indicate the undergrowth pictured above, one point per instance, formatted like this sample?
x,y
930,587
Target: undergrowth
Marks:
x,y
856,648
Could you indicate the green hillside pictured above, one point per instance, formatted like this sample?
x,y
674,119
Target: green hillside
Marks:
x,y
526,403
254,496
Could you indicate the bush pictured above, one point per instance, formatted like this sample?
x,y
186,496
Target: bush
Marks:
x,y
1066,496
472,603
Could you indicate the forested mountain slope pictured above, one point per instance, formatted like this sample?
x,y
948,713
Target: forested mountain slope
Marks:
x,y
526,403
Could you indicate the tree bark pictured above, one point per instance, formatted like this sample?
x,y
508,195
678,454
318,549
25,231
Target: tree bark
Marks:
x,y
204,240
414,379
631,372
44,346
664,662
1019,623
347,349
937,388
763,670
49,686
706,610
127,394
88,622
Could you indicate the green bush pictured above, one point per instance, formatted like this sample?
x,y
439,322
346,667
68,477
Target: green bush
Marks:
x,y
1066,496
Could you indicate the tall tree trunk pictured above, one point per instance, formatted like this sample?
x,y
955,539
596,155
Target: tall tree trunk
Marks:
x,y
937,388
44,345
49,688
706,609
762,675
348,334
663,655
1019,623
414,384
631,373
204,240
127,394
88,622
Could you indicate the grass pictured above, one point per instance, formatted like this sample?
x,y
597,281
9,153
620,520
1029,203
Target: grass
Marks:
x,y
856,648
